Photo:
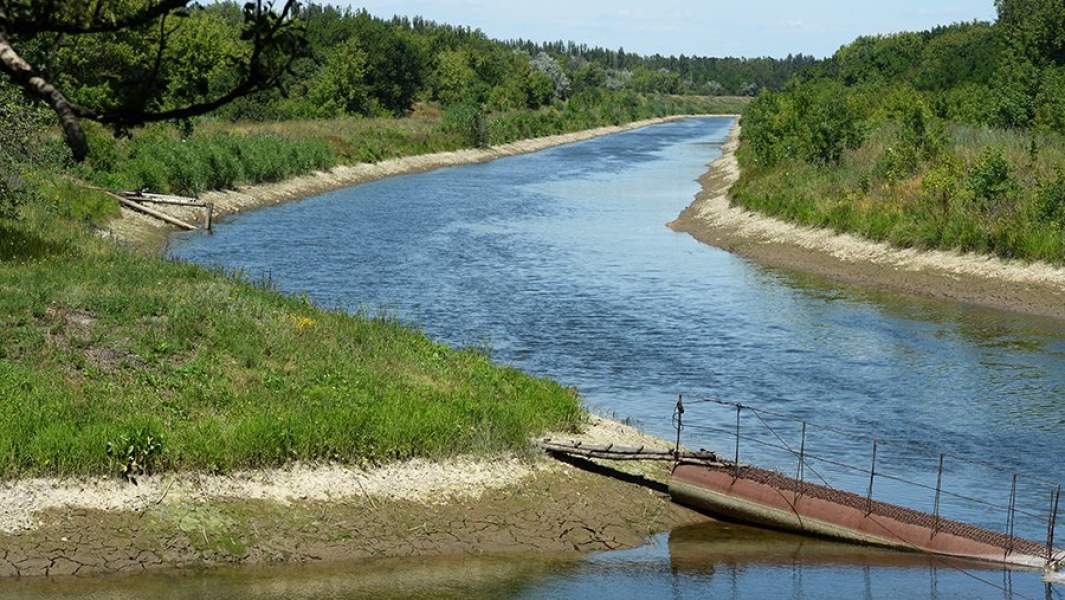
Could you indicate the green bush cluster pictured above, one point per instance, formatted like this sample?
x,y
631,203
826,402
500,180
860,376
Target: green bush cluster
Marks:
x,y
810,122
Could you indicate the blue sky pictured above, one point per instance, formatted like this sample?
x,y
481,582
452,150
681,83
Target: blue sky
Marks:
x,y
744,28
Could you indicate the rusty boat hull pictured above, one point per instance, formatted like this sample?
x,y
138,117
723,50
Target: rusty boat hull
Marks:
x,y
761,497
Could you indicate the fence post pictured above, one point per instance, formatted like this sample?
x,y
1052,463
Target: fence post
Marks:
x,y
680,423
939,490
1011,516
801,475
1055,498
872,476
736,463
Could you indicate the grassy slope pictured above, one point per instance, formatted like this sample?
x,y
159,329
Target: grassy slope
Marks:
x,y
98,344
932,208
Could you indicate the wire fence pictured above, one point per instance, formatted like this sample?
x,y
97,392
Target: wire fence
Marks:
x,y
900,471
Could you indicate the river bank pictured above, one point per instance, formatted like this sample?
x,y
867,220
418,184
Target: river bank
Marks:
x,y
150,233
466,505
1031,288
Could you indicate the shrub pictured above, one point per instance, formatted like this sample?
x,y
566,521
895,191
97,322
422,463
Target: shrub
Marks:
x,y
990,179
469,122
1050,200
898,162
135,453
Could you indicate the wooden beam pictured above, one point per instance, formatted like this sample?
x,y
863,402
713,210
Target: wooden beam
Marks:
x,y
153,213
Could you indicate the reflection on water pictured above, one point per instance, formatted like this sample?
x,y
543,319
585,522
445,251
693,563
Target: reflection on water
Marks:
x,y
715,560
560,262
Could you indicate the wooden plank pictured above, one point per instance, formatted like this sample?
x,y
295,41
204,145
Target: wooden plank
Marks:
x,y
161,199
614,452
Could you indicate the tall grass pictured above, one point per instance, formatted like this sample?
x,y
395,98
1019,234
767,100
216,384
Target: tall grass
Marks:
x,y
222,155
941,204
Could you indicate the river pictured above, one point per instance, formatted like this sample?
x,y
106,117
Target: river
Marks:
x,y
560,263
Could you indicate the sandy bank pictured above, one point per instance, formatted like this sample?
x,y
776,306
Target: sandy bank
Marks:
x,y
1033,288
135,227
331,512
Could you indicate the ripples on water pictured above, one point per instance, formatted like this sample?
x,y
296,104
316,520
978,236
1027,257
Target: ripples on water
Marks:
x,y
560,263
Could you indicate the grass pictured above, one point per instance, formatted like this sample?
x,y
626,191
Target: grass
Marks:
x,y
102,346
943,203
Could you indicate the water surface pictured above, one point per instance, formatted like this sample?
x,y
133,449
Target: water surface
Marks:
x,y
560,263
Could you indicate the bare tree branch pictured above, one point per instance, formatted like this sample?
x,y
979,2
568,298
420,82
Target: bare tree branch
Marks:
x,y
20,71
46,22
276,44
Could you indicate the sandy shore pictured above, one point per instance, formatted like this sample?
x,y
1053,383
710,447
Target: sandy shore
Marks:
x,y
145,231
332,512
1033,288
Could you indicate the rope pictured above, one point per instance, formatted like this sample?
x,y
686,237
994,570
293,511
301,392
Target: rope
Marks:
x,y
866,436
862,470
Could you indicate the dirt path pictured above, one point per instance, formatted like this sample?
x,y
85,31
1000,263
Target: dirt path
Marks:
x,y
1033,288
150,233
303,514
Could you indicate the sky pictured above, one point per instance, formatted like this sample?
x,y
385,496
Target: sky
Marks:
x,y
692,27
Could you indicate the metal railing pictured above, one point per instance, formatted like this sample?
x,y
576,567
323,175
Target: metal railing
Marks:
x,y
875,470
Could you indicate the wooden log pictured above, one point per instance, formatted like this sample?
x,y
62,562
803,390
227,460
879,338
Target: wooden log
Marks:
x,y
161,199
153,213
614,452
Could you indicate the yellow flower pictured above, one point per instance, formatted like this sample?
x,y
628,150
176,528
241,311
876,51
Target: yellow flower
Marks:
x,y
302,322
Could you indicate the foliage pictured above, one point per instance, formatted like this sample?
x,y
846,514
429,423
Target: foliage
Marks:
x,y
547,65
136,452
660,81
815,123
469,123
340,86
1050,201
990,179
958,138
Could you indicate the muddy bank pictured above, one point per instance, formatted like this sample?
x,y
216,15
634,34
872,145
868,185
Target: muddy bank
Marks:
x,y
148,232
332,513
1032,288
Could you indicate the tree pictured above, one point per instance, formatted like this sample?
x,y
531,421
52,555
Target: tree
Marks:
x,y
547,65
397,63
588,76
454,78
271,36
340,85
1033,33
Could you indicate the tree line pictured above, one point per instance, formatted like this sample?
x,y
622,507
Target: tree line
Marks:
x,y
949,138
139,61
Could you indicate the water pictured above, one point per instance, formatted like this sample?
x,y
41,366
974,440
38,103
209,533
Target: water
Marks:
x,y
707,561
559,262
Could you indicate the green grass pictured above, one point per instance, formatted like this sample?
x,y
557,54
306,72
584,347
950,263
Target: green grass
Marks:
x,y
100,345
943,203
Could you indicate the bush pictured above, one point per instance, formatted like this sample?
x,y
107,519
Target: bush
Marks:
x,y
814,122
990,179
469,122
1050,200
